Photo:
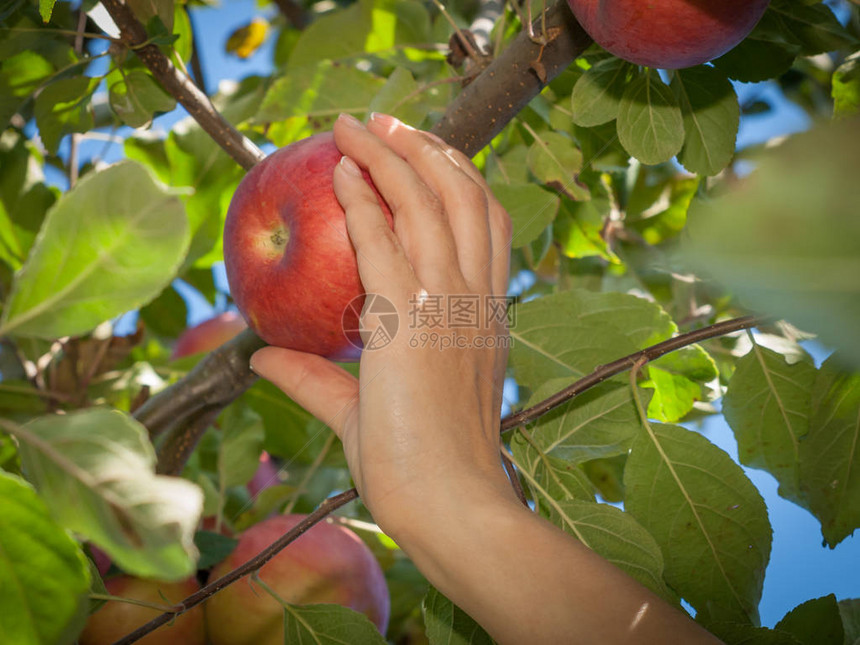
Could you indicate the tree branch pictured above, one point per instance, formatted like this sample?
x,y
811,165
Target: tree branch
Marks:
x,y
242,149
215,381
488,103
294,14
637,360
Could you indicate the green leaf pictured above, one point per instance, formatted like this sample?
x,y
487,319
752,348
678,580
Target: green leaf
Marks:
x,y
367,26
95,470
531,209
711,118
289,428
137,96
766,53
241,445
674,395
767,407
308,99
807,192
328,625
701,509
569,334
146,10
402,97
109,245
213,548
447,624
596,97
815,622
64,107
846,88
812,26
24,199
166,315
830,452
616,536
46,8
746,634
600,422
650,124
562,480
849,609
44,575
555,161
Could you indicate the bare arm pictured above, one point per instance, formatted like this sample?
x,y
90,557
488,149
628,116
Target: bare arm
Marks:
x,y
420,426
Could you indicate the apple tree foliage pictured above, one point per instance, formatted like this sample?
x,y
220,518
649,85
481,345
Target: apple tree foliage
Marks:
x,y
636,218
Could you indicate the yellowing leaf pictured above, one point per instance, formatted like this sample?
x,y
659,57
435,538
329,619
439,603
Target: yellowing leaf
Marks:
x,y
246,40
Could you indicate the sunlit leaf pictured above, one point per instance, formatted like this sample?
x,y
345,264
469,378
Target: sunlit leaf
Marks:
x,y
531,209
106,247
44,575
95,470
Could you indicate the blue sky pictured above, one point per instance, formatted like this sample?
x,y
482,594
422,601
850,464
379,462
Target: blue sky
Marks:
x,y
801,568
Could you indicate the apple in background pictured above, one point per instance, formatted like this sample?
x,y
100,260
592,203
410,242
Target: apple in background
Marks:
x,y
668,34
115,619
328,564
208,335
266,475
290,263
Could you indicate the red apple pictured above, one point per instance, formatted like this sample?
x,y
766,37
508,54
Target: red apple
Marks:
x,y
328,564
290,264
115,619
668,34
208,335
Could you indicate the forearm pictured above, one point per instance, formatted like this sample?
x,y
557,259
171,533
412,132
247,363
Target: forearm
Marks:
x,y
525,581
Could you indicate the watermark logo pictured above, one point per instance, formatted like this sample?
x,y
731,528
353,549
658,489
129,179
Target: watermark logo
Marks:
x,y
371,322
371,318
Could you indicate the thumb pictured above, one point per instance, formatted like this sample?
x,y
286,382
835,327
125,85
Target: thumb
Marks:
x,y
324,389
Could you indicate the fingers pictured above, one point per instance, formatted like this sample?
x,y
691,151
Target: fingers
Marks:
x,y
322,388
456,182
382,264
419,218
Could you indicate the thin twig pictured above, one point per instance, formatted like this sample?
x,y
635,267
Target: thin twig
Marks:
x,y
254,564
622,364
514,478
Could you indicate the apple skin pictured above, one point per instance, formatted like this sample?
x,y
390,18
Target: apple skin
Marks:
x,y
208,335
328,564
116,619
668,34
290,263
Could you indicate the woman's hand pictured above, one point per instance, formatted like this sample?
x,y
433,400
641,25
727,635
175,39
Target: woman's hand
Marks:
x,y
422,421
420,428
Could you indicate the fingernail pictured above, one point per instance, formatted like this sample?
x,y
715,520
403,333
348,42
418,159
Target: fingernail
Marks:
x,y
350,166
385,120
351,121
251,367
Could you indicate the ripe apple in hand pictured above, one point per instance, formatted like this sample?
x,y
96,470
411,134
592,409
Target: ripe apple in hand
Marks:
x,y
115,619
208,335
668,34
290,263
328,564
